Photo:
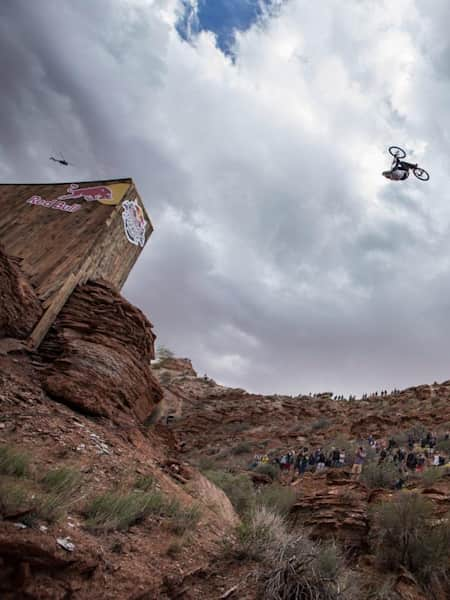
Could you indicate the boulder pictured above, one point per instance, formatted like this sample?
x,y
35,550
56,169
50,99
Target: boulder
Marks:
x,y
20,308
97,356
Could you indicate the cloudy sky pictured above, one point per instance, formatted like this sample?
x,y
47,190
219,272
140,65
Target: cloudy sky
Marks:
x,y
256,132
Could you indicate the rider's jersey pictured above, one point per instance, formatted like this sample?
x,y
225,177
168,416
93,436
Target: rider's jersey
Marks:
x,y
398,174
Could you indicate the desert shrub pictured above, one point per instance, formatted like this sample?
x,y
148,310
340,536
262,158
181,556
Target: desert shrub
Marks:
x,y
444,446
60,486
261,530
50,507
382,589
13,497
407,537
320,424
13,462
163,353
115,510
276,498
144,482
238,488
329,560
174,548
242,448
273,471
417,431
208,463
300,568
382,475
183,519
62,482
431,475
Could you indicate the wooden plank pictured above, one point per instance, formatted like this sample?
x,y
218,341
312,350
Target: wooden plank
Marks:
x,y
41,329
47,319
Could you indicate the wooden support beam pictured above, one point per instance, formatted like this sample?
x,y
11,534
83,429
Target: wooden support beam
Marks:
x,y
61,297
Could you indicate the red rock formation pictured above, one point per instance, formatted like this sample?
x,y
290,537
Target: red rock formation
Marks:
x,y
20,308
98,354
333,506
179,365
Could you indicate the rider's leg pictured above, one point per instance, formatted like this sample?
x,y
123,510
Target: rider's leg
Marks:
x,y
407,165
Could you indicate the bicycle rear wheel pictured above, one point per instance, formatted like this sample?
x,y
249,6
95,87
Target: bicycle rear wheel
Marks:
x,y
421,174
397,151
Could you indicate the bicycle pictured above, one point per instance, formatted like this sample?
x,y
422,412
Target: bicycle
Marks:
x,y
398,153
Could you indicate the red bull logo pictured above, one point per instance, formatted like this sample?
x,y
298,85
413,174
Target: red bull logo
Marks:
x,y
134,222
90,194
57,204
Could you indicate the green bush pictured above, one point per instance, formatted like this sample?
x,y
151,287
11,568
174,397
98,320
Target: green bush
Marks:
x,y
163,353
144,482
13,462
183,519
13,497
277,498
62,482
444,446
208,463
408,537
50,507
431,475
238,488
300,568
115,510
382,475
273,471
60,486
320,424
241,448
257,533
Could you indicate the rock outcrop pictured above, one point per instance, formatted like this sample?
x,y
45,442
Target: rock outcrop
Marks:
x,y
334,507
97,356
179,365
20,308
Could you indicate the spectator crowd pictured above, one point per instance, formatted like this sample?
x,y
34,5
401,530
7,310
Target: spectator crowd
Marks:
x,y
417,454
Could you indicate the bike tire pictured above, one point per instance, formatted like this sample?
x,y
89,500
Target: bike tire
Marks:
x,y
421,174
397,151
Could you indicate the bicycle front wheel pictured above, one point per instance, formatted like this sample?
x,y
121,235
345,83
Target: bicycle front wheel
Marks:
x,y
397,151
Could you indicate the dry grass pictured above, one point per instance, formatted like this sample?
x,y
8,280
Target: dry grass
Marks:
x,y
301,569
182,519
257,534
13,462
238,488
116,510
14,497
277,498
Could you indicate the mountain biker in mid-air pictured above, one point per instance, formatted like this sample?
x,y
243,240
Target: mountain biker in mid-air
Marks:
x,y
400,168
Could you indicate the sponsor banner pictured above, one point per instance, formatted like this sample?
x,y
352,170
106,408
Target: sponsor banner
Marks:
x,y
134,222
105,194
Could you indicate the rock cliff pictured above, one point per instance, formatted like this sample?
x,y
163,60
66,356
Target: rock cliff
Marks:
x,y
97,356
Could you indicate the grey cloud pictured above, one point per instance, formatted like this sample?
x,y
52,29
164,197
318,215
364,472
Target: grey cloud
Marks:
x,y
281,260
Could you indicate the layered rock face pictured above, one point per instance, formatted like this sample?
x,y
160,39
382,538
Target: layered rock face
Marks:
x,y
97,356
20,308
